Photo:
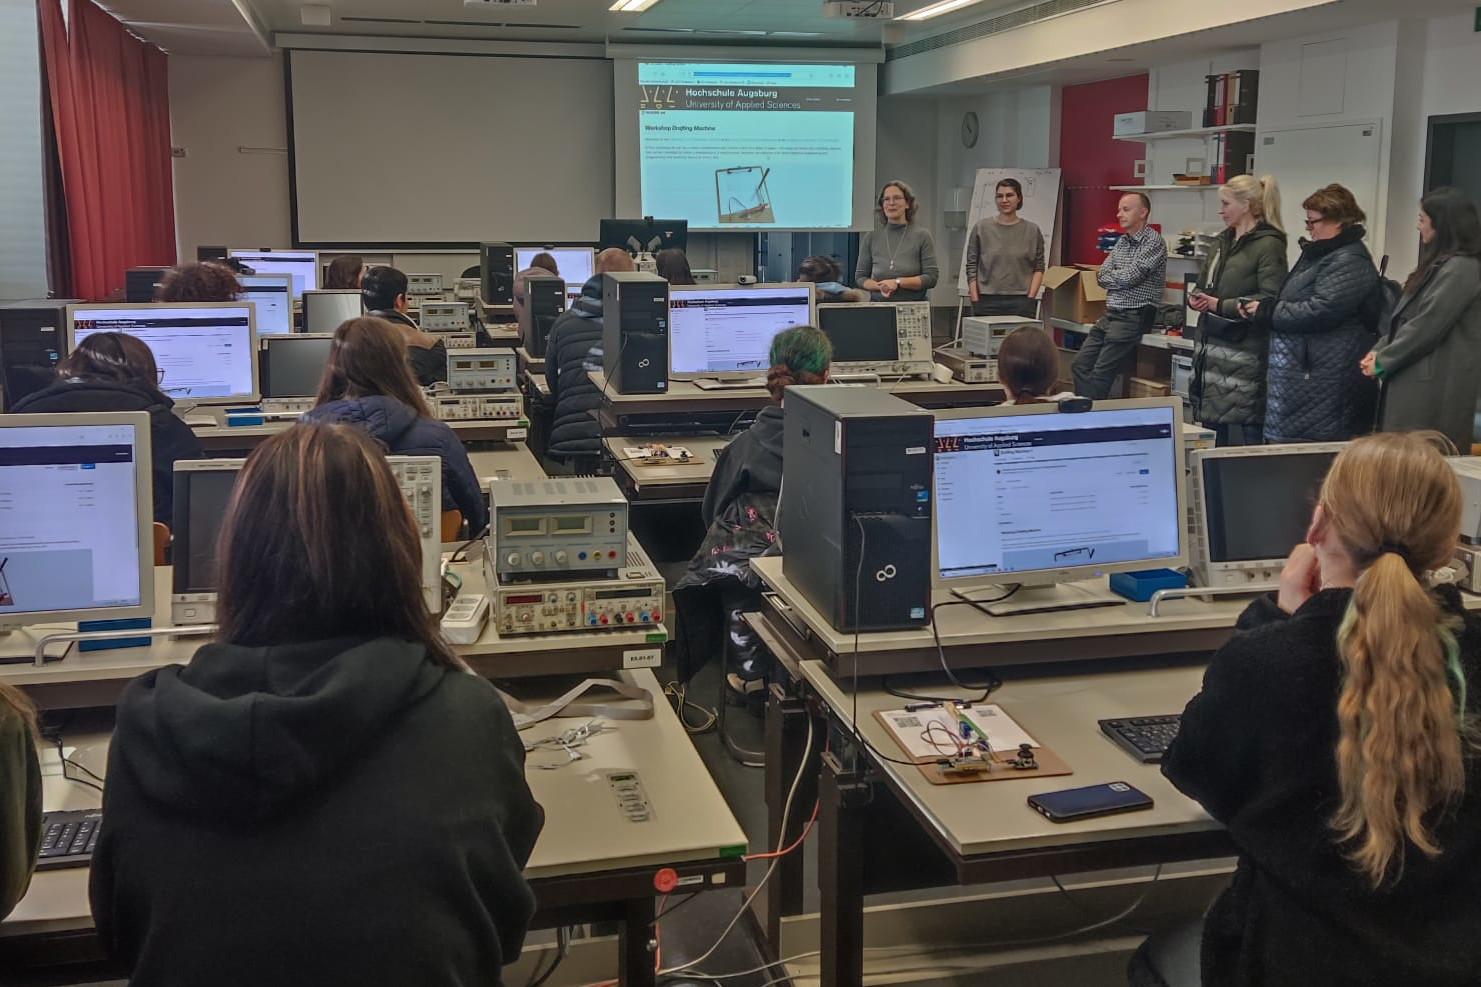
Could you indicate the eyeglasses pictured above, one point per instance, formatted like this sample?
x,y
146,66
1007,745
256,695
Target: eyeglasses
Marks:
x,y
1313,222
159,376
893,198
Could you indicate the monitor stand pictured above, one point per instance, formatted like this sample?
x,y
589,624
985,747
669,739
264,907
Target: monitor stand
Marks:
x,y
18,644
730,384
1044,599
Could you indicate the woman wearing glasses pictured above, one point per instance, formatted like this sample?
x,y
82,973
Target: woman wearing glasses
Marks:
x,y
1321,327
897,263
113,371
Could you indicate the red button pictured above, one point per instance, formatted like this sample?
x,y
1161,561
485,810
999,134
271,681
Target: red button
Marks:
x,y
657,616
611,555
666,880
631,617
604,618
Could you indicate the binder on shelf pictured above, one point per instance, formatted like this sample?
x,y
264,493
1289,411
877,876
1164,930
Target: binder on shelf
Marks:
x,y
1247,95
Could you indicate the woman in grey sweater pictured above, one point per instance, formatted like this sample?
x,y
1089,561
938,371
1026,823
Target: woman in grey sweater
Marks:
x,y
1428,362
1005,258
897,263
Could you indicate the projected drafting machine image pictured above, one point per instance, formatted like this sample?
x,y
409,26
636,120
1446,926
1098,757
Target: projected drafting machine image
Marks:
x,y
742,196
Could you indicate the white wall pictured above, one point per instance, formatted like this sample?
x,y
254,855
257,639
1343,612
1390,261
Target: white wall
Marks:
x,y
224,194
22,197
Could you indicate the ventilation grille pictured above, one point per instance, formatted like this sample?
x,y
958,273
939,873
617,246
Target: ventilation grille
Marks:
x,y
351,19
1009,21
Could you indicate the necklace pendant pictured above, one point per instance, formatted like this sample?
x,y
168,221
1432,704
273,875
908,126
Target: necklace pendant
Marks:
x,y
892,265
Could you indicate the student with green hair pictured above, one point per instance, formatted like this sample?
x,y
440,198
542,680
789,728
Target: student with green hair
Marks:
x,y
739,512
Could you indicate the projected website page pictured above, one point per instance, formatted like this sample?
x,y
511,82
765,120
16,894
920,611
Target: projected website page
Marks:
x,y
748,146
1055,491
69,530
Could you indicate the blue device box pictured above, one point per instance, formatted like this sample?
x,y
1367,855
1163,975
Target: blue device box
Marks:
x,y
124,624
1139,586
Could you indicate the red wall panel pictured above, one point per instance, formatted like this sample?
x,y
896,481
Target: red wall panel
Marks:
x,y
1090,160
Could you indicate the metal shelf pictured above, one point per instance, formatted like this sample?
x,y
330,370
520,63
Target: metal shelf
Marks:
x,y
1165,188
1165,135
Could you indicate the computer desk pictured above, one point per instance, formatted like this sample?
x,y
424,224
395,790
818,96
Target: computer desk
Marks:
x,y
528,362
513,462
684,396
590,863
220,440
96,678
664,482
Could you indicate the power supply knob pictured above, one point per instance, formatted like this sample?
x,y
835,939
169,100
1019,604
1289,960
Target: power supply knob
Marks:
x,y
537,558
512,559
560,558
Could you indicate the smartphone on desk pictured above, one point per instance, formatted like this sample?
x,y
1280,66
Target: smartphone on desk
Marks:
x,y
1071,804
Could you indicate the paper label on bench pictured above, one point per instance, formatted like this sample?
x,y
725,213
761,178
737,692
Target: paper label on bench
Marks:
x,y
515,434
642,658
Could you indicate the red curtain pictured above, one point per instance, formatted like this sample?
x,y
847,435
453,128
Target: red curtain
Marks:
x,y
1091,161
110,105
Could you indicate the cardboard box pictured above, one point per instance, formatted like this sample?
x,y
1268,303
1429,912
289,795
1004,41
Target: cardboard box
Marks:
x,y
1140,387
1150,122
1073,294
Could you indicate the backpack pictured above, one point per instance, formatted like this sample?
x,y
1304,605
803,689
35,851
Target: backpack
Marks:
x,y
1378,308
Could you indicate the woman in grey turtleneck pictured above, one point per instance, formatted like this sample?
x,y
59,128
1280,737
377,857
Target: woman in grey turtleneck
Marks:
x,y
897,263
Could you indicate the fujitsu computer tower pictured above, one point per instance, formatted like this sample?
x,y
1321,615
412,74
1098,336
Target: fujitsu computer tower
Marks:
x,y
545,300
496,272
856,505
635,332
140,283
33,340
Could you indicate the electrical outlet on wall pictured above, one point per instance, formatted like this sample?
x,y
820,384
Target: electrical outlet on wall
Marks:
x,y
177,152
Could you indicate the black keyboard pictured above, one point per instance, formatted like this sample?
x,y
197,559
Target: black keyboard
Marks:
x,y
1145,738
68,838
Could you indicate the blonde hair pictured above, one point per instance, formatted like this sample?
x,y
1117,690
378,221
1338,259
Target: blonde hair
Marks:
x,y
20,703
1394,504
1261,195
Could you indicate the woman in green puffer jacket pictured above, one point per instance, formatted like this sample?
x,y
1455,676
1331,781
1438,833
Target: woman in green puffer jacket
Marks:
x,y
1248,261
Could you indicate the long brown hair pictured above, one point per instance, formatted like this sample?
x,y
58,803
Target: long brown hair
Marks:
x,y
319,542
1028,364
18,702
114,356
345,272
800,355
1394,504
368,356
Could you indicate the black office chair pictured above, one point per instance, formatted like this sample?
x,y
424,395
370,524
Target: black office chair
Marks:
x,y
472,272
1169,958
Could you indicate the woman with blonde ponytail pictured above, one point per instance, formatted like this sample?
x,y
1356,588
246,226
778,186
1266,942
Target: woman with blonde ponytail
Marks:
x,y
20,796
1247,262
1333,738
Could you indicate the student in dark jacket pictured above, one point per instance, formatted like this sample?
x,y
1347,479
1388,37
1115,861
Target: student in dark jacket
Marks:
x,y
368,384
1319,329
113,371
1429,360
383,292
573,349
1230,361
739,512
20,796
326,794
1334,740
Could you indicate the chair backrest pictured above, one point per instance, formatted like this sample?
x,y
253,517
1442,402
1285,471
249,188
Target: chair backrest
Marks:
x,y
161,543
452,525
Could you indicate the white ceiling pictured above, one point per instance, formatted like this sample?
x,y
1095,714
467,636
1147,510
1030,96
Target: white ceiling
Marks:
x,y
222,26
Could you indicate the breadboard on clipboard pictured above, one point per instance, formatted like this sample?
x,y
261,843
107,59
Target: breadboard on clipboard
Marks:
x,y
908,727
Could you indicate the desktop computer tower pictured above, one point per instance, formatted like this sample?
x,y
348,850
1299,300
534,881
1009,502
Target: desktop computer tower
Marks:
x,y
140,283
496,273
545,300
856,505
33,340
635,332
203,253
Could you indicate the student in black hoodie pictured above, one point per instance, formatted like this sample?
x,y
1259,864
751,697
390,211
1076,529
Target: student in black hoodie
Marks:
x,y
739,512
113,371
326,794
1335,739
383,292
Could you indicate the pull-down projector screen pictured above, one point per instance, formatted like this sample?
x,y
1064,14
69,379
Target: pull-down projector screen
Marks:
x,y
733,146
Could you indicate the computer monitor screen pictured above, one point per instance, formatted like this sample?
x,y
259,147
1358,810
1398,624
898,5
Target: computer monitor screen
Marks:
x,y
1258,507
76,517
726,330
576,264
205,351
272,294
860,333
202,491
323,311
302,264
651,235
1045,493
292,366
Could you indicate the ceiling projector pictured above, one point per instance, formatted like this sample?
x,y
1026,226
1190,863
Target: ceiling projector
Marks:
x,y
859,8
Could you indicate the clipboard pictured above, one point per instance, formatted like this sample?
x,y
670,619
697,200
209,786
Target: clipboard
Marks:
x,y
741,195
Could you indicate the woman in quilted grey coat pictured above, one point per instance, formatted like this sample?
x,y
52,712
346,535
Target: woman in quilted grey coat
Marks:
x,y
1247,261
1320,329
